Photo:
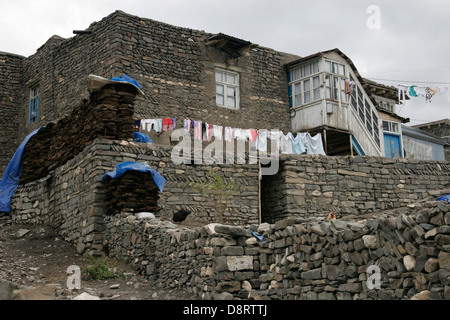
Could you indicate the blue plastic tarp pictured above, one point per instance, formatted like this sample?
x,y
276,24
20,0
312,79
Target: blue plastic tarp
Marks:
x,y
141,137
128,79
136,166
11,176
444,198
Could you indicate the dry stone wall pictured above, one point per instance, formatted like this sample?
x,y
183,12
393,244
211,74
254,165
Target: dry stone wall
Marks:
x,y
316,185
305,259
10,99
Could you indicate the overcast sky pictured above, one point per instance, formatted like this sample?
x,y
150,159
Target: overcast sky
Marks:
x,y
391,42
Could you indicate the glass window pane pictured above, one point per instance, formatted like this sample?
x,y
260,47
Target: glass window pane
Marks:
x,y
298,100
394,127
231,92
219,76
220,100
328,66
316,82
296,74
231,79
335,67
306,85
306,70
231,102
328,93
220,89
316,94
341,69
354,104
336,88
315,67
307,96
385,126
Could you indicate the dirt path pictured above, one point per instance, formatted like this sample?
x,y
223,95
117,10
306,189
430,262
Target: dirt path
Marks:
x,y
34,262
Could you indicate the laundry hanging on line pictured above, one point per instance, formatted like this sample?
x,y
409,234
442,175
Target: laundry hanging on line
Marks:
x,y
415,91
284,143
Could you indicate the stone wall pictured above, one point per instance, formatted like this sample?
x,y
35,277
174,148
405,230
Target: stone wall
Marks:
x,y
61,67
10,104
177,71
72,198
173,65
68,199
107,114
316,185
305,259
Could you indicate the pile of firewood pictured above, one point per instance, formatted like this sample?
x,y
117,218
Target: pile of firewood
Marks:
x,y
133,190
107,114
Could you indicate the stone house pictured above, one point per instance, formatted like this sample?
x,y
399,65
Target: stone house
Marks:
x,y
192,74
177,67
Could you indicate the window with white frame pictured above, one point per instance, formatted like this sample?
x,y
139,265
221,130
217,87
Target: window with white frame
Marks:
x,y
335,81
367,114
304,84
386,105
390,126
34,104
227,89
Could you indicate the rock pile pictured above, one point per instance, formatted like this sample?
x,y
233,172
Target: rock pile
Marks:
x,y
406,252
107,114
134,190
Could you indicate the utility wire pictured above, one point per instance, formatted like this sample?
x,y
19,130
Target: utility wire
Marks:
x,y
410,81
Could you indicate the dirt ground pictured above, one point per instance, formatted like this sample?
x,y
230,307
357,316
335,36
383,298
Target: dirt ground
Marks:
x,y
34,262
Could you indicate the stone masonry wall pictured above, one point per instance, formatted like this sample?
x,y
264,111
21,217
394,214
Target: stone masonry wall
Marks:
x,y
177,71
61,67
67,198
72,197
10,97
315,185
304,259
173,65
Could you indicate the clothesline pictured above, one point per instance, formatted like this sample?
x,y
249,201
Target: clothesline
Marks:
x,y
420,91
287,143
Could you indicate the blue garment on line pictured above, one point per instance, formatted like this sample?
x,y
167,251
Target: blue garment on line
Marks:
x,y
11,176
297,145
128,79
136,166
141,137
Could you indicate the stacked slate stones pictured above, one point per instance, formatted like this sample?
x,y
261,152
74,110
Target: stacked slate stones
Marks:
x,y
134,191
107,114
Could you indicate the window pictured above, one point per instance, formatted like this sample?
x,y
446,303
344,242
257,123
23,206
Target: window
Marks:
x,y
34,104
304,84
391,126
387,106
227,89
366,112
335,81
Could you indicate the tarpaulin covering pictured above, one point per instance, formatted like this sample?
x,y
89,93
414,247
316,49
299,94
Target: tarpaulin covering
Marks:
x,y
97,82
141,137
125,166
445,198
11,176
128,79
